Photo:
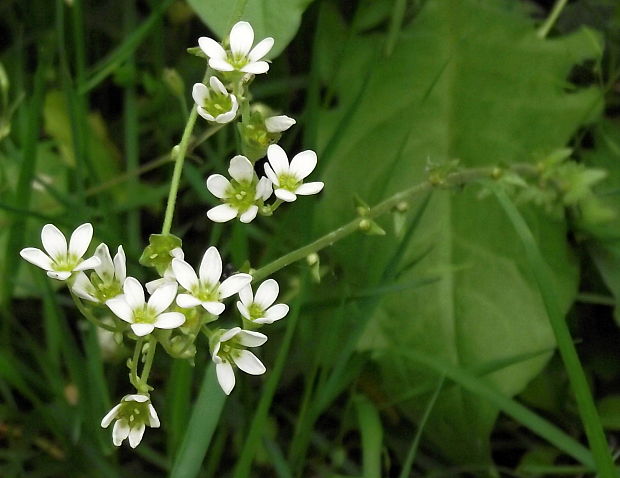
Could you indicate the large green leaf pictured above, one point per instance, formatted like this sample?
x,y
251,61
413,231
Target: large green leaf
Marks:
x,y
270,18
468,80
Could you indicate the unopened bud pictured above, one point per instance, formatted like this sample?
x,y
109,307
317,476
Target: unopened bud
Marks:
x,y
173,80
312,259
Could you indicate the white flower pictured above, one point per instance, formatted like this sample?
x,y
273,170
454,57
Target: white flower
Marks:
x,y
228,347
259,308
278,124
145,316
240,56
215,103
288,179
169,277
242,196
110,275
61,261
206,290
131,415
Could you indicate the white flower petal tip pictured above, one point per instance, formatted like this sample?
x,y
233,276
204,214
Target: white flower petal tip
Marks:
x,y
279,124
225,376
307,189
132,415
222,213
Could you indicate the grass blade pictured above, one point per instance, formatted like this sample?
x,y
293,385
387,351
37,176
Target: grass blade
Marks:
x,y
372,436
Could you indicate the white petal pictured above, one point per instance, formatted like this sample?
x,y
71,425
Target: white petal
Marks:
x,y
89,263
54,241
226,117
120,432
121,308
248,362
83,288
234,284
263,189
249,215
271,175
241,38
220,64
169,320
59,275
277,159
249,338
229,334
135,397
37,257
105,422
246,295
278,124
261,49
210,266
274,313
243,310
241,169
225,376
162,298
153,285
187,301
211,48
153,418
222,213
215,308
135,435
218,185
120,265
105,269
267,293
256,68
80,239
202,112
285,195
142,329
184,273
217,86
134,293
200,93
303,164
309,188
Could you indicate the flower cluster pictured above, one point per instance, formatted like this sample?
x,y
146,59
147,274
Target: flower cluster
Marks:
x,y
246,194
183,303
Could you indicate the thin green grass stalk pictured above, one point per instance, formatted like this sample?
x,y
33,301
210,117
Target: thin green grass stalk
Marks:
x,y
111,62
178,393
277,458
259,420
520,413
546,27
371,430
396,23
579,384
411,454
130,125
203,422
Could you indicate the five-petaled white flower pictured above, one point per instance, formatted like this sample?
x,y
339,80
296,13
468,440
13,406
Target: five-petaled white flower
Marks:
x,y
205,289
228,347
288,178
240,56
109,278
132,414
145,316
214,102
61,261
242,196
279,124
259,308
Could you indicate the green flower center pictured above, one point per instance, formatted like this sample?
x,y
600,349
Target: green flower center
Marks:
x,y
134,412
237,61
67,262
288,182
240,195
256,311
105,288
146,315
206,292
217,104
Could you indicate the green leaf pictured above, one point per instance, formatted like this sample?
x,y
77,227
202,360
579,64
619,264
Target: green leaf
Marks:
x,y
471,81
279,19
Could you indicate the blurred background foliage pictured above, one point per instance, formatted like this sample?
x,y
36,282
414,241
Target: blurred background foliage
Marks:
x,y
424,352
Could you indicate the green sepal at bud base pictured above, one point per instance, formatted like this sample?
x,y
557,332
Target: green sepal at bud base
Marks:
x,y
361,207
371,228
255,139
196,51
158,253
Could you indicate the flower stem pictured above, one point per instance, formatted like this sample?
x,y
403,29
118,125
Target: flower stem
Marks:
x,y
450,180
546,27
133,374
148,362
88,314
